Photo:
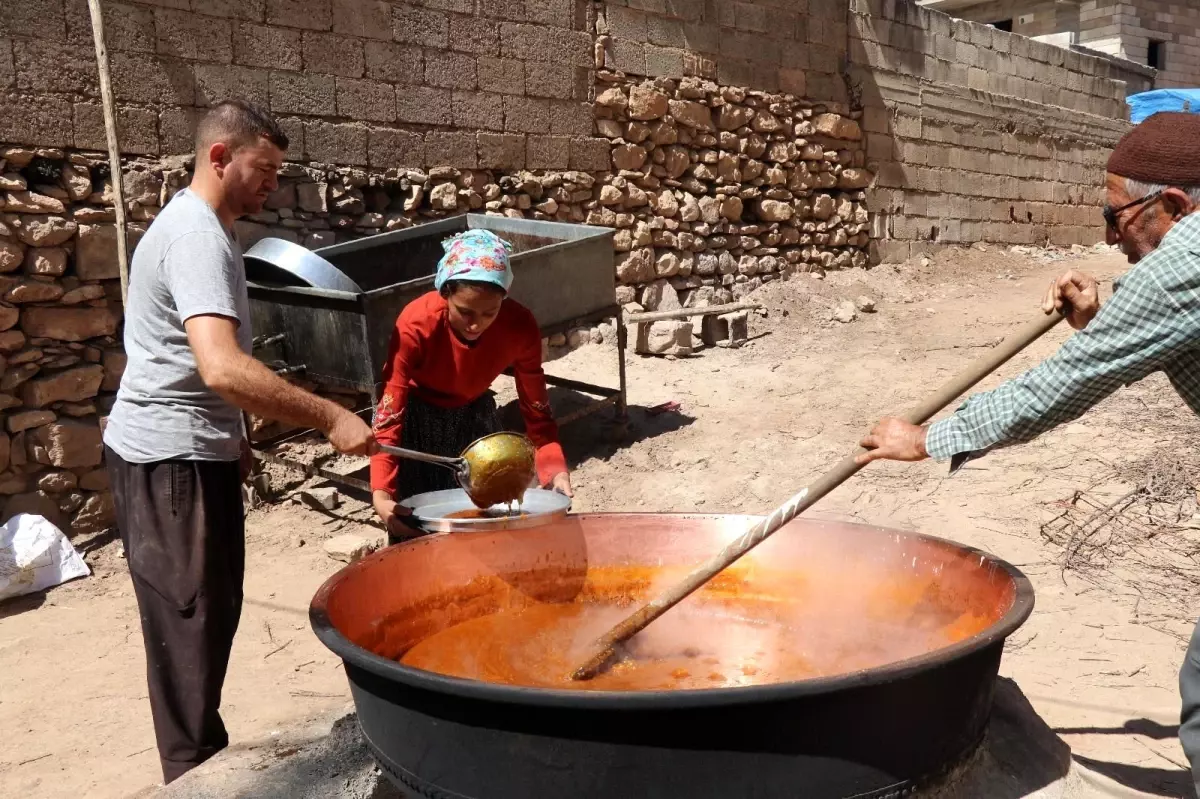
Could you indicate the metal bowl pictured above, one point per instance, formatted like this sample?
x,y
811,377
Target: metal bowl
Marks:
x,y
501,467
432,511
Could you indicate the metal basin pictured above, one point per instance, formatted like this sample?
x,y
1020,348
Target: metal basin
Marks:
x,y
865,732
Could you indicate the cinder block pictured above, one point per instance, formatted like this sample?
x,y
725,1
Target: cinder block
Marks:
x,y
526,115
475,35
590,155
553,80
138,126
547,152
40,19
570,118
367,19
266,46
152,79
420,26
623,23
192,36
501,151
526,42
43,66
451,149
555,13
450,70
701,37
217,82
302,93
314,15
793,81
478,110
423,105
332,54
336,142
665,62
388,148
177,132
726,330
501,75
366,100
457,6
126,27
394,63
512,10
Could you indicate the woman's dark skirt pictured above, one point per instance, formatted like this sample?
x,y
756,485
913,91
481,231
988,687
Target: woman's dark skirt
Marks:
x,y
441,431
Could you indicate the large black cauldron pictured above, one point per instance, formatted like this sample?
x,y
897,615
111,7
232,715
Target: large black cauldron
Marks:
x,y
872,733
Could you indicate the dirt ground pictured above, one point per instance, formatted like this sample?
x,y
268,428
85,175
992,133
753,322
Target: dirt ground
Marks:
x,y
1098,659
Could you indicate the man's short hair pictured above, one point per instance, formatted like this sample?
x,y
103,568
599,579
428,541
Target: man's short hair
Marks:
x,y
237,123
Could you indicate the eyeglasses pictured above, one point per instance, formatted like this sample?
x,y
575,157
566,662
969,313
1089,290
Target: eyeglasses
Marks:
x,y
1110,213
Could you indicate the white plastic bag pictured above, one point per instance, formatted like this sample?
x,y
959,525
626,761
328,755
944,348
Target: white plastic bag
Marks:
x,y
35,555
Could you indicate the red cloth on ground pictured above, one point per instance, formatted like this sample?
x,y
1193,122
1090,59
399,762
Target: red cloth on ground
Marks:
x,y
426,357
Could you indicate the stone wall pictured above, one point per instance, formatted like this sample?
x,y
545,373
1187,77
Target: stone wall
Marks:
x,y
977,134
59,314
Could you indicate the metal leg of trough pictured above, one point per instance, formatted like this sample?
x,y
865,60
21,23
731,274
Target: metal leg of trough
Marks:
x,y
622,396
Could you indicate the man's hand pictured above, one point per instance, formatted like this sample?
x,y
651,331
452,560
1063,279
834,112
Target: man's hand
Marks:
x,y
351,435
894,439
1076,295
561,483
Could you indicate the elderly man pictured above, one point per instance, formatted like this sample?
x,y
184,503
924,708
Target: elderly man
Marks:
x,y
175,436
1151,324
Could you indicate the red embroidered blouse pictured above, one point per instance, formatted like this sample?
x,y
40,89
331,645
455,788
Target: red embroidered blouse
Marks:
x,y
426,357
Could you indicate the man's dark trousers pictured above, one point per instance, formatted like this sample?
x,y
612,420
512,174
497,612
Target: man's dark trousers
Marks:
x,y
184,533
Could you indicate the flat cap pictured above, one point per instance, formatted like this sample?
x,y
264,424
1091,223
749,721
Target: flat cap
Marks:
x,y
1164,149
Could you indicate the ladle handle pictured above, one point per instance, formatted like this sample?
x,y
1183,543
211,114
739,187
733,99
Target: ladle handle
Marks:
x,y
922,413
413,455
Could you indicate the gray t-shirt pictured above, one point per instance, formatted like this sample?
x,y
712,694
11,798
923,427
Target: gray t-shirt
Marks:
x,y
186,265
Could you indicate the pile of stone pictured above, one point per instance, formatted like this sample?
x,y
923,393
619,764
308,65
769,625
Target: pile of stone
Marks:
x,y
717,190
59,313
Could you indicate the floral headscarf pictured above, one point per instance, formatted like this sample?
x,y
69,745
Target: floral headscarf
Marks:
x,y
476,255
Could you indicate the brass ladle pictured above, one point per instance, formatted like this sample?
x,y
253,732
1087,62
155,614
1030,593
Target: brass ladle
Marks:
x,y
494,470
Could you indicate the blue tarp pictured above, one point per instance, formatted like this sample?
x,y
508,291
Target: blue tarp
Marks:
x,y
1146,103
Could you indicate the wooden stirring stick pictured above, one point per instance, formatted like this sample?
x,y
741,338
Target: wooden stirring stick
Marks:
x,y
605,646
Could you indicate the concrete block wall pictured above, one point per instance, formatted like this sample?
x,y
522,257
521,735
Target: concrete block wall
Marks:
x,y
976,134
793,46
1121,28
498,84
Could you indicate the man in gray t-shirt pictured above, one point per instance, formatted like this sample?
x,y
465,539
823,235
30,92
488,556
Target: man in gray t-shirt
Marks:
x,y
164,409
175,435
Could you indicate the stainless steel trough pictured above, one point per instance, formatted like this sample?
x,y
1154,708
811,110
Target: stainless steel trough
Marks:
x,y
308,318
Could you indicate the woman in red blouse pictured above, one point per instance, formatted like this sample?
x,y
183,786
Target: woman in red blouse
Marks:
x,y
448,347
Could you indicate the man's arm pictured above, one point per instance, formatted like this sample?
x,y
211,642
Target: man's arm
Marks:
x,y
248,384
1152,320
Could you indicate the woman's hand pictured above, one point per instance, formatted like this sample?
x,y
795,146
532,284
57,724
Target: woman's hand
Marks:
x,y
561,483
390,511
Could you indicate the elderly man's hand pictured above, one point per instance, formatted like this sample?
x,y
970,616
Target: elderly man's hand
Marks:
x,y
894,439
1074,294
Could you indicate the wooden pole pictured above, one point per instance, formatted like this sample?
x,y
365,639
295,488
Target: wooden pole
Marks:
x,y
604,649
684,313
114,148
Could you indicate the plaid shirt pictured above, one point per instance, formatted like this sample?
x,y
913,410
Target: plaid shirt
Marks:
x,y
1151,323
